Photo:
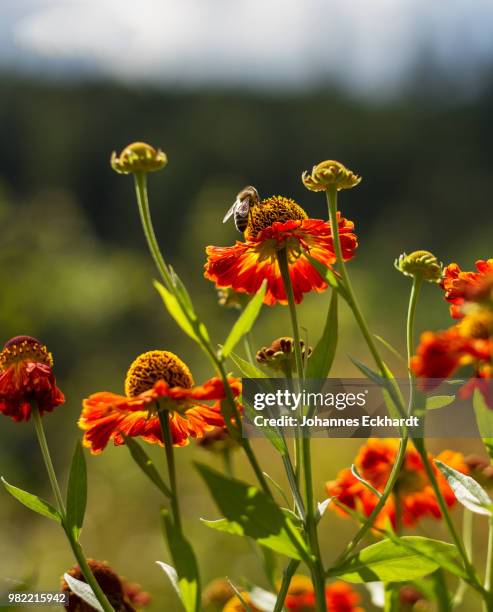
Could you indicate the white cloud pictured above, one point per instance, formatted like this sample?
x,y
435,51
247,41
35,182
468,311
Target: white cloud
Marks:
x,y
368,43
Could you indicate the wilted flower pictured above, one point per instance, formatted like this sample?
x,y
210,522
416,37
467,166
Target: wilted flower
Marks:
x,y
278,223
281,353
409,596
138,157
122,595
155,378
420,264
461,287
328,173
480,469
26,376
416,497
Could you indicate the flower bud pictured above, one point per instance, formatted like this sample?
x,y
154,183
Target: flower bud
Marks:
x,y
138,157
420,264
280,353
328,173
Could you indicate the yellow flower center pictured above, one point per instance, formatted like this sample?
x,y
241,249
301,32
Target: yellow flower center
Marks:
x,y
478,324
24,348
152,366
270,210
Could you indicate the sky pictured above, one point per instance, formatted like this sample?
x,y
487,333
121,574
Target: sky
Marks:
x,y
368,45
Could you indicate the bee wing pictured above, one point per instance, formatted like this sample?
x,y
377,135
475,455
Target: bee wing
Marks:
x,y
243,207
231,211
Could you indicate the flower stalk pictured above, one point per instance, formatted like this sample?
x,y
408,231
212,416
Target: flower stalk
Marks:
x,y
164,416
75,546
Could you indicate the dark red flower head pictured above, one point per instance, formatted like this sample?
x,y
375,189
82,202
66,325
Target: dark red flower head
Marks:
x,y
26,376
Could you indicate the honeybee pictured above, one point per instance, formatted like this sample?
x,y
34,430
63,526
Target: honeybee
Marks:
x,y
245,200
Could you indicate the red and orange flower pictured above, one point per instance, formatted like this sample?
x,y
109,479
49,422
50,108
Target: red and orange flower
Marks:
x,y
339,597
461,287
26,377
156,380
279,223
416,498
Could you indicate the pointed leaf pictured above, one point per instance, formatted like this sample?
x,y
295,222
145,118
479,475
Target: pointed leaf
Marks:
x,y
77,491
484,420
250,512
175,309
389,347
467,491
323,355
170,571
185,564
33,502
328,275
84,591
370,487
245,321
247,370
394,561
145,463
263,600
439,401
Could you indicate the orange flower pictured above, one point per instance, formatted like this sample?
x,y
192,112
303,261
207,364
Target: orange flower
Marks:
x,y
26,376
461,286
439,354
122,595
416,497
339,597
156,380
275,224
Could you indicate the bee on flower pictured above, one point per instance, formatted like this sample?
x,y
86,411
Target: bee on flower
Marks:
x,y
279,227
155,380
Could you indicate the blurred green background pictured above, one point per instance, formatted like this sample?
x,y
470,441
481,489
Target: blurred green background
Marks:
x,y
75,272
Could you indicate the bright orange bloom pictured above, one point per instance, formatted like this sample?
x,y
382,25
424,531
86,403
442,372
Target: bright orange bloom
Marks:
x,y
276,224
156,380
26,376
416,497
123,596
439,354
339,597
461,287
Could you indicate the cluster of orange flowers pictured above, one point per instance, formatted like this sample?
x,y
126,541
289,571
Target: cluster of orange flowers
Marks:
x,y
412,496
339,597
470,341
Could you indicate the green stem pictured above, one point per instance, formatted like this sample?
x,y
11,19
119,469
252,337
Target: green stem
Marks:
x,y
75,546
170,461
286,580
317,570
282,258
467,533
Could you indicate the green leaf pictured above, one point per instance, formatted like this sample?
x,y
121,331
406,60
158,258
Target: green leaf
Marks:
x,y
323,355
250,512
181,290
175,309
185,564
389,347
245,321
84,591
247,370
33,502
369,373
484,420
370,487
328,275
467,491
439,401
398,560
170,571
144,462
77,491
